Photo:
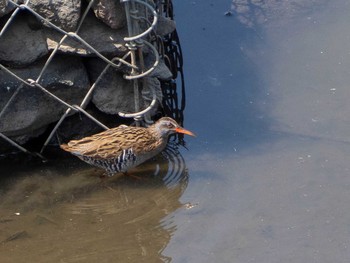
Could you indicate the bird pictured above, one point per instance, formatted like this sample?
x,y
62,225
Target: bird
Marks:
x,y
119,149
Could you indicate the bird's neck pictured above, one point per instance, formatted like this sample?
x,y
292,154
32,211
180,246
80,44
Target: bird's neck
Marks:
x,y
158,133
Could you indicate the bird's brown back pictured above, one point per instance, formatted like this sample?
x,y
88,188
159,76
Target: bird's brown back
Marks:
x,y
110,143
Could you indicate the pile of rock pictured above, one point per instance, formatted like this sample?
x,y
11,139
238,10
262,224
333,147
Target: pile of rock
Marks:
x,y
28,42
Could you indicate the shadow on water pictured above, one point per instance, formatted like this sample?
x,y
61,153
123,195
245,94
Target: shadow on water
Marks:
x,y
76,216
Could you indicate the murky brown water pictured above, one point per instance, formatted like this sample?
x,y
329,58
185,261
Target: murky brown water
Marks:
x,y
266,180
67,213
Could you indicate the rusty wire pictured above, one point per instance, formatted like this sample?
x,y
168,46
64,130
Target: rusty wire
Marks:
x,y
135,42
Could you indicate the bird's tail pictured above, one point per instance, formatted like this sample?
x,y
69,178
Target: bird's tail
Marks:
x,y
65,147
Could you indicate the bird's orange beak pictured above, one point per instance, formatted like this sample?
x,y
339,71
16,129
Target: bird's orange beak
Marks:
x,y
184,131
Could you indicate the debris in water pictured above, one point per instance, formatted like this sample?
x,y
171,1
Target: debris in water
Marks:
x,y
15,236
190,206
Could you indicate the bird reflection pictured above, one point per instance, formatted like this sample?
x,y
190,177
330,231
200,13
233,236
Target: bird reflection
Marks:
x,y
165,175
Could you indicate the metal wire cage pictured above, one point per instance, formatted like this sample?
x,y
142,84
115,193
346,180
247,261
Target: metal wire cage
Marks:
x,y
142,17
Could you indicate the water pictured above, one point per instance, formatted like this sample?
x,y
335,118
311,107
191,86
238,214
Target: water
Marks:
x,y
266,180
66,213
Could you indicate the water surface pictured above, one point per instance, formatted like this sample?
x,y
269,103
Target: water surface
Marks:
x,y
266,180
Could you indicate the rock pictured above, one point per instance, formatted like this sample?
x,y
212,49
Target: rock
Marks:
x,y
63,13
116,96
22,139
20,45
32,110
113,93
147,96
6,7
28,40
111,12
161,72
77,126
105,40
3,5
165,26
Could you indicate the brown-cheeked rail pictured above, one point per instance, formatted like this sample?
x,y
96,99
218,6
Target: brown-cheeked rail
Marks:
x,y
124,147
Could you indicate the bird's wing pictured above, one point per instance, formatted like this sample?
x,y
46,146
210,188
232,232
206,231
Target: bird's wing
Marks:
x,y
111,143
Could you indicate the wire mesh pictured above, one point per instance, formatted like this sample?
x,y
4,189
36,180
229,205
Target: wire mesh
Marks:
x,y
141,22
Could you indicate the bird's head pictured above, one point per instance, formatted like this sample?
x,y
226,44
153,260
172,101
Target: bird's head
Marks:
x,y
166,126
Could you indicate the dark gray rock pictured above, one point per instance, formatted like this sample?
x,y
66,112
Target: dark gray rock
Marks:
x,y
161,71
62,13
111,12
3,5
105,40
27,41
25,137
20,45
77,126
6,7
113,93
165,26
151,85
32,110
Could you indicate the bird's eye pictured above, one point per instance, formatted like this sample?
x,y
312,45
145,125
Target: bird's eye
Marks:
x,y
170,125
